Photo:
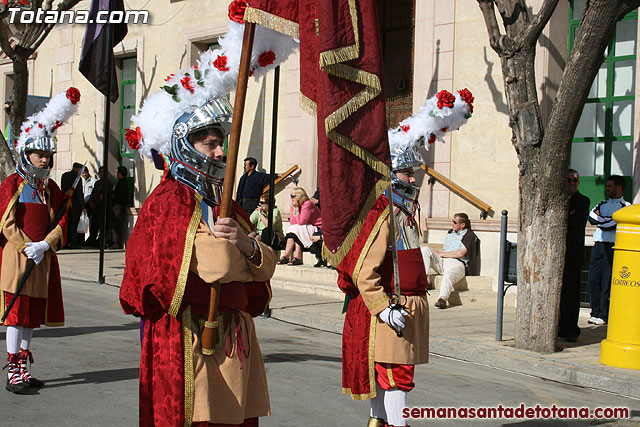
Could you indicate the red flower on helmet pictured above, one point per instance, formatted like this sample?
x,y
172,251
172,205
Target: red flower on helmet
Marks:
x,y
236,10
187,83
57,124
221,63
133,138
40,125
405,128
73,95
169,77
467,96
266,58
432,139
27,130
445,99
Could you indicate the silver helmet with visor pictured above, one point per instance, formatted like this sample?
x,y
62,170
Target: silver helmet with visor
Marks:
x,y
198,171
409,158
27,170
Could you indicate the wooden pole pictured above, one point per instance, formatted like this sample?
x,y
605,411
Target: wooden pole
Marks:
x,y
210,331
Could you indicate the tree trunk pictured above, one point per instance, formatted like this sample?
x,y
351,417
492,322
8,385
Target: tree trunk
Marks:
x,y
544,155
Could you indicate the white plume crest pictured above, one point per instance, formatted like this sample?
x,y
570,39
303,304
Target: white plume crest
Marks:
x,y
44,123
432,122
215,74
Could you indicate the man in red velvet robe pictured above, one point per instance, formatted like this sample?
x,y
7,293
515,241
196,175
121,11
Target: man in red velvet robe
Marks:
x,y
29,200
376,363
178,248
26,214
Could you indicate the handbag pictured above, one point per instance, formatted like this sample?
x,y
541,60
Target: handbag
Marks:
x,y
278,241
83,223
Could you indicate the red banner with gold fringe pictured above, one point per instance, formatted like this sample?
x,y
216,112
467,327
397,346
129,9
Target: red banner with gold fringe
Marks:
x,y
341,81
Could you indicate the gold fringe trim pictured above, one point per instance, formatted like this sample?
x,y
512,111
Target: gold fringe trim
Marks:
x,y
187,343
2,304
11,203
365,249
361,153
337,257
345,53
273,22
308,105
384,299
61,236
372,356
186,257
51,212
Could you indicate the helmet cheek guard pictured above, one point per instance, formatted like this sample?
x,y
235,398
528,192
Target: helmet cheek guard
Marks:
x,y
27,170
190,167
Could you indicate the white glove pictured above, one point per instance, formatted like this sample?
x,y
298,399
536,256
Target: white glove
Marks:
x,y
36,250
393,318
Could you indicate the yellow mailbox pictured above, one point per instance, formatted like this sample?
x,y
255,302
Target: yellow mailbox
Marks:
x,y
622,346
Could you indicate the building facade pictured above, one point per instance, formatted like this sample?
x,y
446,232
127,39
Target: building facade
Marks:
x,y
428,46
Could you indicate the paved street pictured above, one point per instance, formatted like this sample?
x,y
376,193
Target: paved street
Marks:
x,y
91,370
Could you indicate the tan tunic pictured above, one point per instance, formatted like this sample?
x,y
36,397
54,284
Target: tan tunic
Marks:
x,y
230,389
14,260
413,347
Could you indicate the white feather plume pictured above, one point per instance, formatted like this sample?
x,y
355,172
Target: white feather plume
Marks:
x,y
192,88
44,123
431,122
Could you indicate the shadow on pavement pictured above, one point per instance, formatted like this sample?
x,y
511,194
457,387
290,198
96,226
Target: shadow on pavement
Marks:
x,y
300,357
70,332
588,336
94,377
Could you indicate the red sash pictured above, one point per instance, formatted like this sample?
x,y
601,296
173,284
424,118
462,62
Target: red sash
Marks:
x,y
413,277
33,219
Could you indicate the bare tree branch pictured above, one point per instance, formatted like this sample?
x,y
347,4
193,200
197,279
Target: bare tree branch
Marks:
x,y
5,45
627,6
67,4
48,5
530,36
489,14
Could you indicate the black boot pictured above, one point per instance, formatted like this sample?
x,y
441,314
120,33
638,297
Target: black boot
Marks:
x,y
27,378
14,381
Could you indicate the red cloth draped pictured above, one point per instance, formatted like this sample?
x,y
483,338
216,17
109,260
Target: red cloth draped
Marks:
x,y
35,219
355,348
357,351
331,80
154,256
413,276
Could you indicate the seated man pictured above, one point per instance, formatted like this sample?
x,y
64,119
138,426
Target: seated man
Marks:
x,y
459,249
